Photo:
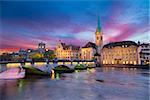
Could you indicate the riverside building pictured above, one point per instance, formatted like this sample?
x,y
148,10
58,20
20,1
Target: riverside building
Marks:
x,y
68,52
144,53
124,52
88,51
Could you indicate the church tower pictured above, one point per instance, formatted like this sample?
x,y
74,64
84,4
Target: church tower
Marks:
x,y
98,36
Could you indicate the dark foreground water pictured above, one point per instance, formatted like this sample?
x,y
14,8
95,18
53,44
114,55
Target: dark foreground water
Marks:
x,y
93,84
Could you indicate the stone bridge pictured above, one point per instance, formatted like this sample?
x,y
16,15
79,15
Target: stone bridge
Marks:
x,y
52,64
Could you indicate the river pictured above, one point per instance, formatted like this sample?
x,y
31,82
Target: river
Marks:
x,y
91,84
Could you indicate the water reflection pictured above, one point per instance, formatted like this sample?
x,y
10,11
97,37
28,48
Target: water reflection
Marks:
x,y
53,76
90,84
57,76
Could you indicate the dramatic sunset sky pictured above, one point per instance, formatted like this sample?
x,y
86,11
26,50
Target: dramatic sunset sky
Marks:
x,y
23,24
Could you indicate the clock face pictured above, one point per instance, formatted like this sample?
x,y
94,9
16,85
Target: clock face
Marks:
x,y
97,32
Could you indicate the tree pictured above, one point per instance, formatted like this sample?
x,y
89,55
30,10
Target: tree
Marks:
x,y
5,57
36,55
49,54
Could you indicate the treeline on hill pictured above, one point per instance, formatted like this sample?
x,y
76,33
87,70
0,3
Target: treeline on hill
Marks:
x,y
36,56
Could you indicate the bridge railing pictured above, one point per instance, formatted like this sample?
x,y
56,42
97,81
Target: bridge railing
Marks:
x,y
11,64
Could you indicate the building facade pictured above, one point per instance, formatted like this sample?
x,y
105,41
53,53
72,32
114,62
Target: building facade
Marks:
x,y
144,53
68,52
124,52
88,51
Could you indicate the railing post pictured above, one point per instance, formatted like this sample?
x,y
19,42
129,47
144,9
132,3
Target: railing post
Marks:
x,y
32,62
63,63
55,62
22,63
47,61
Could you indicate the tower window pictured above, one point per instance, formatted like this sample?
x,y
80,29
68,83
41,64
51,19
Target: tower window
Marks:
x,y
97,38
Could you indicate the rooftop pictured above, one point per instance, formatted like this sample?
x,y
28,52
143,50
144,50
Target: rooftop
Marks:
x,y
122,43
90,45
73,47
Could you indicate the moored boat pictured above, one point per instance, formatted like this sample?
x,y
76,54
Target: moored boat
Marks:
x,y
63,69
29,70
80,67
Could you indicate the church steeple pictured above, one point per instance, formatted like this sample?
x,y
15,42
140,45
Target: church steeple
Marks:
x,y
98,34
98,25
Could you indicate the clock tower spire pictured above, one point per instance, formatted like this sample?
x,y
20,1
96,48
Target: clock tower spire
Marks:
x,y
98,35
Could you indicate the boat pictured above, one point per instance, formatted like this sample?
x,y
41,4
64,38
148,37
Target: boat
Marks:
x,y
80,67
63,69
29,70
13,73
90,66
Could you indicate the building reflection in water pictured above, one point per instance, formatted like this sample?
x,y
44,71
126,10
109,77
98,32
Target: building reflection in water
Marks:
x,y
53,76
76,74
124,70
92,70
56,76
21,84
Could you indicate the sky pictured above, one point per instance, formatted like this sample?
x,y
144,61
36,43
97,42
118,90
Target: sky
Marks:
x,y
23,24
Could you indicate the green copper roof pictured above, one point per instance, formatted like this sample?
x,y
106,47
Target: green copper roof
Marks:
x,y
98,26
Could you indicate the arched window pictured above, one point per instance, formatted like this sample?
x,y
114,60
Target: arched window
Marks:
x,y
97,38
101,37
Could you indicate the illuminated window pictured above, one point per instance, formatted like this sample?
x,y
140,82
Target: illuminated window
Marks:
x,y
134,62
134,51
123,62
103,61
112,62
106,61
97,38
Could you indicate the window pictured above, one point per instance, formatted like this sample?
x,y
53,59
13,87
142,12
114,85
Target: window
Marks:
x,y
134,62
146,46
103,61
112,62
123,62
97,38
